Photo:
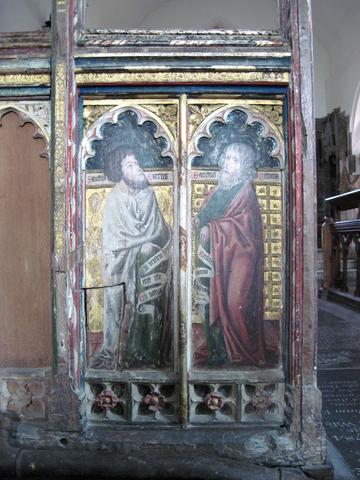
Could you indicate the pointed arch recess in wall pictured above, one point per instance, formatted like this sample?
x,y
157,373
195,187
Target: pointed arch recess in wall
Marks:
x,y
25,238
37,113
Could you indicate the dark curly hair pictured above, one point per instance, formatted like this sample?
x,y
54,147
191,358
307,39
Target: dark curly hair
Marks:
x,y
113,161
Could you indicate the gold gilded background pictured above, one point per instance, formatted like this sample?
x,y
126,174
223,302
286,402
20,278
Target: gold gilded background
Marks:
x,y
270,201
269,194
167,112
95,201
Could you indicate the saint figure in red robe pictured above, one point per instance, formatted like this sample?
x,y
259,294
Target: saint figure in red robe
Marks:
x,y
229,269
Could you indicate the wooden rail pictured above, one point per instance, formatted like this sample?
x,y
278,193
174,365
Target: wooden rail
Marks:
x,y
339,239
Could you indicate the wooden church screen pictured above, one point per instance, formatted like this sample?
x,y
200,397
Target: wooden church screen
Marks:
x,y
184,260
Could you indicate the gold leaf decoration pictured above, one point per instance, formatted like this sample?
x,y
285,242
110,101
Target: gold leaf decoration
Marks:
x,y
59,161
168,114
181,77
92,113
274,113
198,113
270,201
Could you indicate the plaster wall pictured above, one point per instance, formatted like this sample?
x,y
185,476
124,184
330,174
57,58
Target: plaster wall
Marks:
x,y
336,54
185,14
321,75
344,71
336,39
23,15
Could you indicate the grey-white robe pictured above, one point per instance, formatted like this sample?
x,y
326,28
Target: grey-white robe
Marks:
x,y
129,222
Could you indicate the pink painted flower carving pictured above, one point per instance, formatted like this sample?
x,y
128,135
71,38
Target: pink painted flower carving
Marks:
x,y
107,399
214,401
155,401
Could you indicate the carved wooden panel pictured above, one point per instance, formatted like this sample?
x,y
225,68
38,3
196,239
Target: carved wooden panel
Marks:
x,y
188,161
25,281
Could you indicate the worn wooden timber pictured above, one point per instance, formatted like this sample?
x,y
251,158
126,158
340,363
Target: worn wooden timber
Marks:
x,y
108,64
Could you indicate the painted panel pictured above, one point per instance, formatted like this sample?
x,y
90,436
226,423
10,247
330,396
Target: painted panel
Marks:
x,y
236,154
214,207
130,156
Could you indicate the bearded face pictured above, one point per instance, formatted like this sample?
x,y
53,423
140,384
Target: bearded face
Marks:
x,y
231,171
133,175
237,159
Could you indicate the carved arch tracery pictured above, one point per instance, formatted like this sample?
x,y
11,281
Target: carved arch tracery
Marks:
x,y
35,114
252,118
26,244
95,133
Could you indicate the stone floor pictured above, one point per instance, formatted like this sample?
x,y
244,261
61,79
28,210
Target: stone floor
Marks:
x,y
339,381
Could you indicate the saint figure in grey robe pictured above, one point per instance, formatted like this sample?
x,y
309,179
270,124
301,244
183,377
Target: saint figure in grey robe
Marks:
x,y
136,271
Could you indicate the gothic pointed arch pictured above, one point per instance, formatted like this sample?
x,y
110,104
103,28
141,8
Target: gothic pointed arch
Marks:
x,y
34,113
25,239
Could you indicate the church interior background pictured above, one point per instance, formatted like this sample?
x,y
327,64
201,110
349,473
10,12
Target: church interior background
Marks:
x,y
193,346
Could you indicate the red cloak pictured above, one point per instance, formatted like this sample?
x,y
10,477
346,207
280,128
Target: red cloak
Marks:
x,y
237,288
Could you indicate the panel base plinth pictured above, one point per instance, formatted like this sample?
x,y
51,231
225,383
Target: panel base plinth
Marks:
x,y
31,450
151,462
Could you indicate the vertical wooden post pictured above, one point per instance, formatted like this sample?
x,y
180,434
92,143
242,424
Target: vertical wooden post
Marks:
x,y
65,213
284,17
335,259
327,248
345,240
58,122
183,324
356,238
311,429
